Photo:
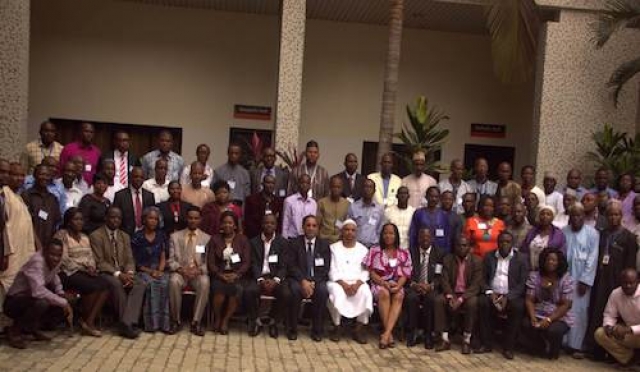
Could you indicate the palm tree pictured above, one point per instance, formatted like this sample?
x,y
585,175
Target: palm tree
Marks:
x,y
513,26
392,67
619,14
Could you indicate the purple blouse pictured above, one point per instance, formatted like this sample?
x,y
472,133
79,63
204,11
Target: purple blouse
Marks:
x,y
546,300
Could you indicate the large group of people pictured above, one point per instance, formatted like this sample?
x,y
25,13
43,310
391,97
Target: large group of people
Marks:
x,y
549,267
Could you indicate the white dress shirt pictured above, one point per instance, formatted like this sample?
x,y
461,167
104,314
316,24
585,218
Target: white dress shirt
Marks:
x,y
500,284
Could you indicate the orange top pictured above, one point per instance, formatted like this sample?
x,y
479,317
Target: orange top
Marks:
x,y
483,234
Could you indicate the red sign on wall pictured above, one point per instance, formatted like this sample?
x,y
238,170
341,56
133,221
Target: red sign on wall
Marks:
x,y
252,112
488,130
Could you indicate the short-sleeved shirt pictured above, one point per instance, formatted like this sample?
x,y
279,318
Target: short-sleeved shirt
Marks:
x,y
546,301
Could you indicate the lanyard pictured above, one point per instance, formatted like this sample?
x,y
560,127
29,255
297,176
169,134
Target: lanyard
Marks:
x,y
313,175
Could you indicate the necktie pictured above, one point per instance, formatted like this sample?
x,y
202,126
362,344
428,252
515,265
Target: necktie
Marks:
x,y
114,246
310,259
122,170
138,209
424,268
352,183
191,248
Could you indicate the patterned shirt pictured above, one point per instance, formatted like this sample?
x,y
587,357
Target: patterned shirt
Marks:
x,y
175,163
35,151
546,301
76,254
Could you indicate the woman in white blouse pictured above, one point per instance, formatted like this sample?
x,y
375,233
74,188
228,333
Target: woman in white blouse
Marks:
x,y
349,293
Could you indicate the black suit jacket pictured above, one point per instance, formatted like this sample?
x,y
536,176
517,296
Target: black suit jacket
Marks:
x,y
279,247
435,257
518,273
169,223
124,201
282,180
297,260
132,160
347,192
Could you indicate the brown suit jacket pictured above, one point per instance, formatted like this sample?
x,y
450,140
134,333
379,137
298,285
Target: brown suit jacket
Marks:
x,y
178,255
473,275
104,254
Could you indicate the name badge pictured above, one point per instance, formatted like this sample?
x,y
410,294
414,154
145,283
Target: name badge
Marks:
x,y
267,211
200,248
605,259
319,261
482,226
273,258
459,201
339,224
582,256
438,269
384,201
175,216
87,168
232,184
235,258
373,221
350,200
310,193
130,168
43,215
439,233
393,262
282,193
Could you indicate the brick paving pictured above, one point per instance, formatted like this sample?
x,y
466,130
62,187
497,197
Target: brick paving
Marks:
x,y
239,352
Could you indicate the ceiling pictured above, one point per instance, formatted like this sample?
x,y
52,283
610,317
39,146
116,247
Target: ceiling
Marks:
x,y
441,15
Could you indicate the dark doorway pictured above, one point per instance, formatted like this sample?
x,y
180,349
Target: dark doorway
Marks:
x,y
494,155
142,136
400,166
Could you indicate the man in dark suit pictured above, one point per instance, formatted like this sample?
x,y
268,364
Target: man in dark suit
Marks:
x,y
427,268
132,201
122,157
174,210
259,204
268,267
505,277
352,181
308,264
461,282
269,168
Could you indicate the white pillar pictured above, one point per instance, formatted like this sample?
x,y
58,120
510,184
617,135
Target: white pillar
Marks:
x,y
14,76
292,32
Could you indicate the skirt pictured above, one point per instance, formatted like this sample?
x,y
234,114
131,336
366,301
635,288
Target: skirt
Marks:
x,y
84,283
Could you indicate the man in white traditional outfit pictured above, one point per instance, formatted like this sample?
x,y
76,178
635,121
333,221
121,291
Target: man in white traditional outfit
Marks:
x,y
582,256
349,294
19,239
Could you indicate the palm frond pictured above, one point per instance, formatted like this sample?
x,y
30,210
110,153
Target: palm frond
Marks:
x,y
618,14
422,132
621,76
513,26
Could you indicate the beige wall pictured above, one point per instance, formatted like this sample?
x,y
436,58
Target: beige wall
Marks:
x,y
122,62
342,88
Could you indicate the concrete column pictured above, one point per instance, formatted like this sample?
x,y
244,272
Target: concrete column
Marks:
x,y
292,31
14,76
572,100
